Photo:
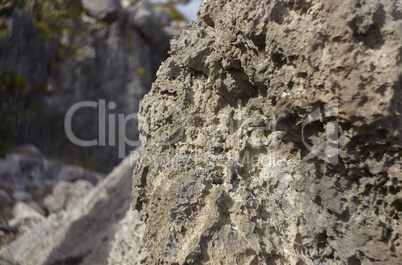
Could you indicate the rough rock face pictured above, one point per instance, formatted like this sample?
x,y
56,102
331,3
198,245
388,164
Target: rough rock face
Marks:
x,y
52,59
99,229
29,176
142,17
65,195
106,10
32,185
272,135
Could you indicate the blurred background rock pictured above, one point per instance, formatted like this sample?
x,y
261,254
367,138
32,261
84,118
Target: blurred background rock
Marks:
x,y
54,54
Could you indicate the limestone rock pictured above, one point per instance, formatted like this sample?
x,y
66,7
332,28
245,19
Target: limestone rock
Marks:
x,y
128,3
4,239
126,247
25,218
273,135
142,17
85,233
66,195
30,176
5,198
22,195
162,15
75,59
105,10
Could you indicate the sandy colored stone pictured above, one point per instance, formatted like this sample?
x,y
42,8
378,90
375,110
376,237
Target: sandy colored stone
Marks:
x,y
272,135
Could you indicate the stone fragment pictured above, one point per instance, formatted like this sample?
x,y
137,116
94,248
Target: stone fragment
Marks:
x,y
25,218
5,198
128,3
66,195
105,10
142,17
87,232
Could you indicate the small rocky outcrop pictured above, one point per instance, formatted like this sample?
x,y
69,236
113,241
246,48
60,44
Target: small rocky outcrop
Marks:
x,y
33,186
100,228
104,10
65,195
273,135
141,16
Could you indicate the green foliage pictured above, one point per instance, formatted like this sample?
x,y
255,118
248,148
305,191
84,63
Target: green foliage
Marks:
x,y
12,86
78,53
44,30
175,14
54,10
141,72
171,7
53,66
60,53
101,25
4,32
12,83
54,16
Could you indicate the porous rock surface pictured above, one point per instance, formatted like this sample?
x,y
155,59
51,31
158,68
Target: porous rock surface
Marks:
x,y
272,135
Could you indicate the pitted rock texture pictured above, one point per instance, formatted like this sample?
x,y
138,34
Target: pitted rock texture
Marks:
x,y
272,135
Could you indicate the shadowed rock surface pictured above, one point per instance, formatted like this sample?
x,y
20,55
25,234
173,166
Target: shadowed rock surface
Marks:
x,y
98,229
28,176
54,55
272,135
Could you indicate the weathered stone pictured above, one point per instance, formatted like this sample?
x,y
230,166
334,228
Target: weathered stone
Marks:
x,y
85,232
66,195
126,246
78,59
22,195
71,173
175,28
29,175
105,10
128,3
162,15
273,135
142,17
25,218
5,198
4,239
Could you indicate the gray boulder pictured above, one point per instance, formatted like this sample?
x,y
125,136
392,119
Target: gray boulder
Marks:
x,y
22,195
29,177
126,247
142,17
88,232
25,218
162,15
277,138
128,3
4,197
66,195
104,10
92,61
